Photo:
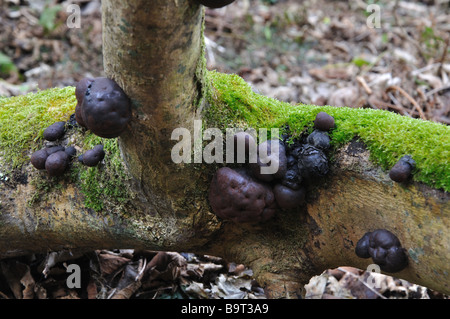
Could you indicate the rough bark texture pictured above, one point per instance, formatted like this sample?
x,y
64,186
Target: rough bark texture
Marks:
x,y
160,72
153,50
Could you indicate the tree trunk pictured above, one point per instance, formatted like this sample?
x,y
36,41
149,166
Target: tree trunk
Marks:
x,y
153,49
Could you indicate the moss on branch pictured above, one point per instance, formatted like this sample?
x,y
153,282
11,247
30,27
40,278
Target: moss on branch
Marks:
x,y
231,102
387,135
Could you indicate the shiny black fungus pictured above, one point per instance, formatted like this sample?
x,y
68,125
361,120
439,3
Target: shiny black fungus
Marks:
x,y
384,248
319,139
312,162
215,3
402,170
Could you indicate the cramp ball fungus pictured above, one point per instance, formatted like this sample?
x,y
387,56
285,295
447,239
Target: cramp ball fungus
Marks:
x,y
55,131
287,197
92,157
362,246
105,108
312,162
57,163
215,3
38,158
71,151
80,91
324,121
402,170
271,157
385,250
319,139
233,195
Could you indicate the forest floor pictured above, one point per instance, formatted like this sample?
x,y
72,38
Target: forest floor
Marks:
x,y
393,55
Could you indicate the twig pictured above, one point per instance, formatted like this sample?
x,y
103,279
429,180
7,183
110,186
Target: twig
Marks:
x,y
405,33
444,54
363,83
409,98
442,88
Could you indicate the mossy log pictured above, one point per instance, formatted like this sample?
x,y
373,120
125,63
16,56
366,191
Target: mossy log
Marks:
x,y
139,198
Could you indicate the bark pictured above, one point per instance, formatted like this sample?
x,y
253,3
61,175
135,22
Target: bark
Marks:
x,y
153,49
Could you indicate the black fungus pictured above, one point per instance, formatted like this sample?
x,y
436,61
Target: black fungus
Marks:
x,y
54,149
271,161
106,109
324,121
384,248
319,139
234,195
292,178
38,158
71,151
55,131
215,3
312,162
57,163
287,197
402,170
80,91
94,156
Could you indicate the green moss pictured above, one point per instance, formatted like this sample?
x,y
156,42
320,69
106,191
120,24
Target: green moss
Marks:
x,y
103,185
23,120
387,135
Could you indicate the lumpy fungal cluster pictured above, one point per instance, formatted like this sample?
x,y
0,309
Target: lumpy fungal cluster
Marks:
x,y
103,108
250,194
384,248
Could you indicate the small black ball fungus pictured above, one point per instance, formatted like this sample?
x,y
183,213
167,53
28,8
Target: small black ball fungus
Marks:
x,y
271,157
215,3
234,195
106,109
94,156
385,250
324,121
312,162
288,198
402,170
55,131
319,139
38,158
57,163
71,151
292,179
54,149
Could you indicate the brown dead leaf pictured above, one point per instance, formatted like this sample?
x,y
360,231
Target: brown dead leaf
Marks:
x,y
109,263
